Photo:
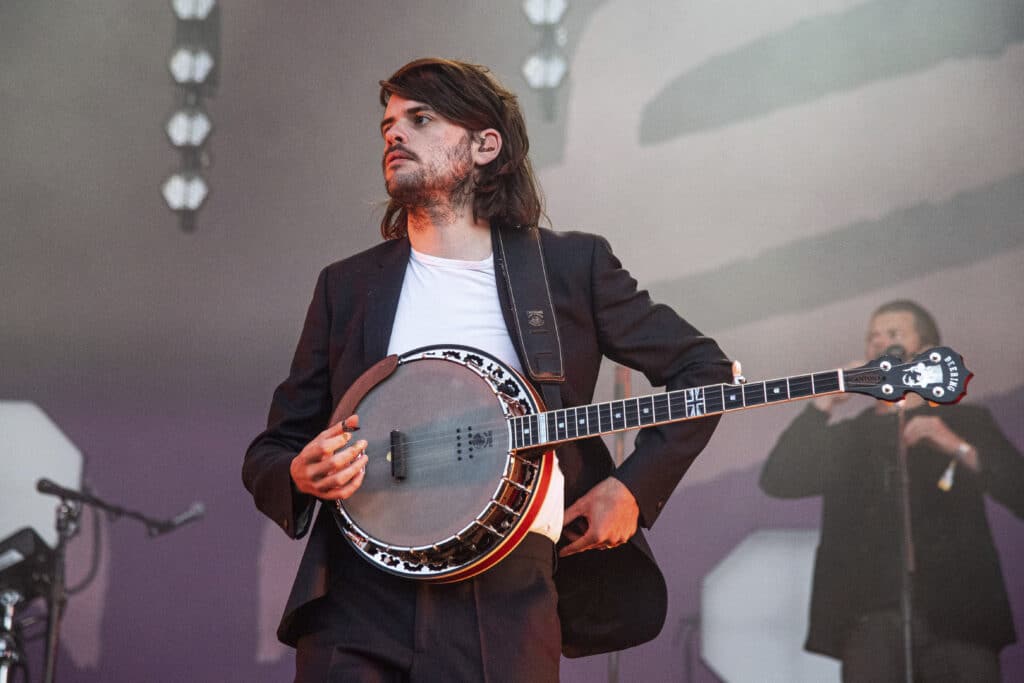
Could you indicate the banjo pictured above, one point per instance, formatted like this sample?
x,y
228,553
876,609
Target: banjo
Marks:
x,y
461,455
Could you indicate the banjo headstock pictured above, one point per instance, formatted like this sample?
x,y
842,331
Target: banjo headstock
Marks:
x,y
937,375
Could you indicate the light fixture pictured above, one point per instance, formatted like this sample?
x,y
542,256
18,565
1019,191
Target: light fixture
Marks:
x,y
544,12
188,127
185,191
192,10
195,67
545,70
191,65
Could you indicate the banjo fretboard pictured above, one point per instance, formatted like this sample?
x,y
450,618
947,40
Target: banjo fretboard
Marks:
x,y
568,424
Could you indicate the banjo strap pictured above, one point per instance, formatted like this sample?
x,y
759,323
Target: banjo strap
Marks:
x,y
519,257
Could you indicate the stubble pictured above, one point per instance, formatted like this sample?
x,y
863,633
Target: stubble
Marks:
x,y
438,188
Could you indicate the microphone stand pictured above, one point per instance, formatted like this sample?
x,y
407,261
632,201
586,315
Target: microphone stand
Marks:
x,y
67,526
909,563
896,352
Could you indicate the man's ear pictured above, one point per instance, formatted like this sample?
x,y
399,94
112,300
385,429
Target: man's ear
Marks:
x,y
486,146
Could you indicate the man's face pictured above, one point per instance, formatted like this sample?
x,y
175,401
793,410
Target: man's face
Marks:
x,y
893,327
427,158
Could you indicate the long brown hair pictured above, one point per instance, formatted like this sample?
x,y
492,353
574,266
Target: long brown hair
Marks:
x,y
469,96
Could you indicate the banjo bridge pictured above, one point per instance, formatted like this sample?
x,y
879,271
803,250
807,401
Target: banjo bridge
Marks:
x,y
398,456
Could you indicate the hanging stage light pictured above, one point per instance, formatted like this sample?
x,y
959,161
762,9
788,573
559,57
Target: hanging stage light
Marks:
x,y
195,58
544,12
194,65
185,191
190,10
191,65
545,70
188,127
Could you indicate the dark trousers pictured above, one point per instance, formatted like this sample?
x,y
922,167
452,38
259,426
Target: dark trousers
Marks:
x,y
499,626
873,653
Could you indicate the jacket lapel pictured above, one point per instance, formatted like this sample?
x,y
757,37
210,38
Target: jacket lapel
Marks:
x,y
382,294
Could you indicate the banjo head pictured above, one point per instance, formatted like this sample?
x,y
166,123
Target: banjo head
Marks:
x,y
439,462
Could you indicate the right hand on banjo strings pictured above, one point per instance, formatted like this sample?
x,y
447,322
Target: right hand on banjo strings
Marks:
x,y
331,466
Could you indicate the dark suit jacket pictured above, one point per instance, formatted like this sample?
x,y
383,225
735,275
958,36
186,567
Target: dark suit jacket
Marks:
x,y
607,600
958,583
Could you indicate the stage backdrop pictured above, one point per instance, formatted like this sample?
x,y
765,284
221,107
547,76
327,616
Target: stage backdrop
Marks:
x,y
773,170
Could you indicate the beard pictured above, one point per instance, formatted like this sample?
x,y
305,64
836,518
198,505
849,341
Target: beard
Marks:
x,y
449,181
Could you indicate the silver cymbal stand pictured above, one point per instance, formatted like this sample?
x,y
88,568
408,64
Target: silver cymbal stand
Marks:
x,y
11,656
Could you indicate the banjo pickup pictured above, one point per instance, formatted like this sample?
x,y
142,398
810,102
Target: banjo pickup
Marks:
x,y
397,456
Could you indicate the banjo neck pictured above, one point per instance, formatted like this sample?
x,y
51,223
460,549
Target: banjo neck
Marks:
x,y
937,375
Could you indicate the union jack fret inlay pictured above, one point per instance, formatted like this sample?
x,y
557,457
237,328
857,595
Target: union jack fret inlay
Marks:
x,y
695,406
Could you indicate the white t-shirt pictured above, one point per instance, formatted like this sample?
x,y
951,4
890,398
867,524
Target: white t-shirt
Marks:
x,y
448,301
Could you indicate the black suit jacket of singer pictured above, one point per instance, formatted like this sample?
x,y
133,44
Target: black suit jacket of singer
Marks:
x,y
608,600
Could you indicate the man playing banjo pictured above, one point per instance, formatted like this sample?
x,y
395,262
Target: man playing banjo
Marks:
x,y
460,233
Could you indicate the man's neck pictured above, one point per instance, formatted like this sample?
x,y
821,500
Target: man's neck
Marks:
x,y
449,234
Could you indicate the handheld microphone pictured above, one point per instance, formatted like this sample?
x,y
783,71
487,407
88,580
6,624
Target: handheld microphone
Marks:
x,y
194,512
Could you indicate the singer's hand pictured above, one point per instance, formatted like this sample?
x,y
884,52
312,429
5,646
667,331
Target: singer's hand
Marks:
x,y
936,431
933,430
330,467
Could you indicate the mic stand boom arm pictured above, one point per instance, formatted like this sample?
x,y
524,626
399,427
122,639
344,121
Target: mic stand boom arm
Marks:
x,y
154,527
909,562
67,526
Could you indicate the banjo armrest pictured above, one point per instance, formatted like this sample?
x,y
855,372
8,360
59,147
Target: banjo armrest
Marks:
x,y
377,373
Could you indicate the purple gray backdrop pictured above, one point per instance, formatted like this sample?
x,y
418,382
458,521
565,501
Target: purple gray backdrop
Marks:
x,y
773,170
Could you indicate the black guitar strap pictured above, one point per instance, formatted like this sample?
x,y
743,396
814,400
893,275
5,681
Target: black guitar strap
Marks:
x,y
519,257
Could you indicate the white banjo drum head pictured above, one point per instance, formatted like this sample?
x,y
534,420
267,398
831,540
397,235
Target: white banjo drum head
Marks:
x,y
446,429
